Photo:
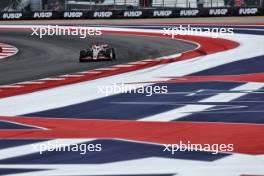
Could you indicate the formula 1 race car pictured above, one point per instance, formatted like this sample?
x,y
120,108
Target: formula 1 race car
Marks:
x,y
97,53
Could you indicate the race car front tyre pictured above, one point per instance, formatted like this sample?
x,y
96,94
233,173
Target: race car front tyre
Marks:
x,y
85,53
81,60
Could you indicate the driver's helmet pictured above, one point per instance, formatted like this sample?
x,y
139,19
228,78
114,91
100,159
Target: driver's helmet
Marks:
x,y
96,47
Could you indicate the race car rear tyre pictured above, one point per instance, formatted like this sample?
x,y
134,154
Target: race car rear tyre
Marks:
x,y
111,53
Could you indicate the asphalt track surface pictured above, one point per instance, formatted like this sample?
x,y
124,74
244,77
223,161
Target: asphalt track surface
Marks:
x,y
58,55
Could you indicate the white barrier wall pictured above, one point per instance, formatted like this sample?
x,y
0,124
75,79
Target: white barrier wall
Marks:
x,y
188,3
175,3
105,2
214,3
35,5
